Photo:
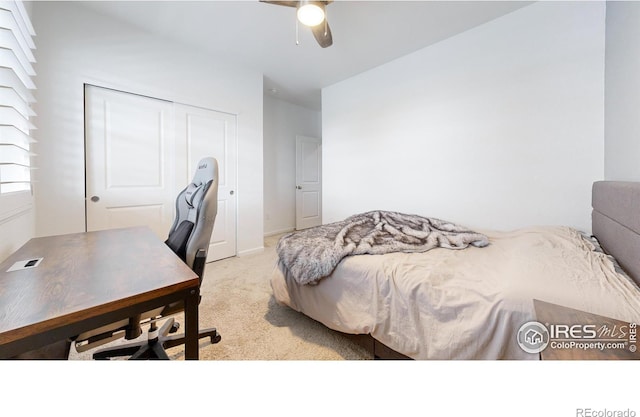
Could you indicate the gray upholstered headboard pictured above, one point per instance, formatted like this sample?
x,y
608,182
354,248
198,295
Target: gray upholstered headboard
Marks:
x,y
615,222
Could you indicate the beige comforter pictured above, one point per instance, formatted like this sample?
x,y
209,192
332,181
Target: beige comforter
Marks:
x,y
466,304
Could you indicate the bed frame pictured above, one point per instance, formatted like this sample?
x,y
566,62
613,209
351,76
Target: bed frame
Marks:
x,y
615,222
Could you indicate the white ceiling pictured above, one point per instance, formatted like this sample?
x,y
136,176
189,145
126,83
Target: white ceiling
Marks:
x,y
263,36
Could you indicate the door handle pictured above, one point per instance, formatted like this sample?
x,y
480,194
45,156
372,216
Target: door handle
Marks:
x,y
231,192
95,198
298,187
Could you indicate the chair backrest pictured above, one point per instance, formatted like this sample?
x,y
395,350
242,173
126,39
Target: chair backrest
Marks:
x,y
196,210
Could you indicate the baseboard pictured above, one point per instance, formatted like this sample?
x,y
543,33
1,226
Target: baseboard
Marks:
x,y
251,251
279,232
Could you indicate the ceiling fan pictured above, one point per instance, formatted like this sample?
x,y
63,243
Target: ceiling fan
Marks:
x,y
312,14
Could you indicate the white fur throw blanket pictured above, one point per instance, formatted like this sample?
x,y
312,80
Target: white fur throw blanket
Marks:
x,y
312,254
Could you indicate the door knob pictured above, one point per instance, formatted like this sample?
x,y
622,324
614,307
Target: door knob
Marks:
x,y
95,198
231,192
298,187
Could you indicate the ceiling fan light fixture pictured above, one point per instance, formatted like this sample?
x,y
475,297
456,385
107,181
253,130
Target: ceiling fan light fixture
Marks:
x,y
310,13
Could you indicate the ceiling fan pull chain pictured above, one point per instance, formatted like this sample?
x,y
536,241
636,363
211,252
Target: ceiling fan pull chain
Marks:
x,y
297,39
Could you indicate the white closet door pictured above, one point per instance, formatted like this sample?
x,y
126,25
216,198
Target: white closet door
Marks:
x,y
212,133
141,152
130,176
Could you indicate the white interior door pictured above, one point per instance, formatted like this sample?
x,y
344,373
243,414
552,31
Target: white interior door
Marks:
x,y
129,161
141,152
308,182
212,133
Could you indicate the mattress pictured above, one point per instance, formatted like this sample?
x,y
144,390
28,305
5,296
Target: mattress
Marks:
x,y
464,304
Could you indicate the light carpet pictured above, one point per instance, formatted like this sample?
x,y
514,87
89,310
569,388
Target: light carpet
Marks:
x,y
237,300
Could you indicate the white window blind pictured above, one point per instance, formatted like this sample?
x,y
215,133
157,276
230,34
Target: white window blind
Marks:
x,y
16,85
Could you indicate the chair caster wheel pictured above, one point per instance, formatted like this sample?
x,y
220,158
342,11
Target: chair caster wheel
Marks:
x,y
174,328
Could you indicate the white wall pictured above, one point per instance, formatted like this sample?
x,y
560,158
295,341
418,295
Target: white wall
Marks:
x,y
498,127
15,232
282,122
77,46
622,99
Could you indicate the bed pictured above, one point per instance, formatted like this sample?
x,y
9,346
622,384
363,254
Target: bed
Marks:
x,y
470,303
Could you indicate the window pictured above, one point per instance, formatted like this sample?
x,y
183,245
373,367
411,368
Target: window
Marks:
x,y
16,71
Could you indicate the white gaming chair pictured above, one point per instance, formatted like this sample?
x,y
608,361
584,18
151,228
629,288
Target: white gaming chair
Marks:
x,y
189,237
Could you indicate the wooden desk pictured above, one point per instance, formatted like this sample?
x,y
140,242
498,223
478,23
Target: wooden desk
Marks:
x,y
87,280
547,313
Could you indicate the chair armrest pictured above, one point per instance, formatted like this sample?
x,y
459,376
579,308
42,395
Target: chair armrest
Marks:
x,y
199,263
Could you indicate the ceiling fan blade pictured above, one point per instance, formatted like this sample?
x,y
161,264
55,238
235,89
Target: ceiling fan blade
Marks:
x,y
323,37
291,3
281,3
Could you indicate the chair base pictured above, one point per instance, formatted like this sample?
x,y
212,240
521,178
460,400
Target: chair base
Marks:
x,y
154,347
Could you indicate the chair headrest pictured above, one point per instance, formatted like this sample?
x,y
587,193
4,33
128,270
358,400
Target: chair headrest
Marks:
x,y
205,171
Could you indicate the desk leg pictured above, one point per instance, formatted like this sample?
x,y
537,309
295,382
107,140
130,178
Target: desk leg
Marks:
x,y
191,348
